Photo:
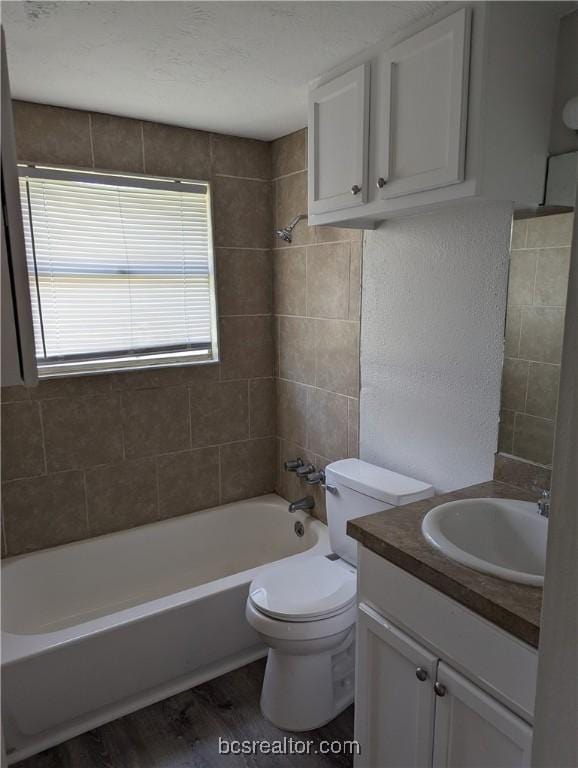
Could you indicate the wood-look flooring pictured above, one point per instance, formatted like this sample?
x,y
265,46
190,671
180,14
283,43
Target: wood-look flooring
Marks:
x,y
183,732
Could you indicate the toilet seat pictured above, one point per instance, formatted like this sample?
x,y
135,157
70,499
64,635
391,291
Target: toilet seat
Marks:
x,y
273,630
307,590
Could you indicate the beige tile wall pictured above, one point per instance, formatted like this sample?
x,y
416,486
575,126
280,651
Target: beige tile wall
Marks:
x,y
317,293
90,455
537,287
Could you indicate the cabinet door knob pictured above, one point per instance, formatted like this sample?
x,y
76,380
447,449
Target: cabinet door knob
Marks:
x,y
421,674
355,189
381,182
440,689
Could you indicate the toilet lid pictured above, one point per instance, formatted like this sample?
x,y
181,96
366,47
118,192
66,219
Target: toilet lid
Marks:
x,y
306,589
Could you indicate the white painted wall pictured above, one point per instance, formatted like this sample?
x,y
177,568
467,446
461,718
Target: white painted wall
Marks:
x,y
556,715
434,304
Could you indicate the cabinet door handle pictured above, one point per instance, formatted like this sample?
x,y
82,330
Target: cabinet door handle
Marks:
x,y
381,182
421,674
355,189
440,689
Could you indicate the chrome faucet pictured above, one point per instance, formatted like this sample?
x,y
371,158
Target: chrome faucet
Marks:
x,y
307,502
544,504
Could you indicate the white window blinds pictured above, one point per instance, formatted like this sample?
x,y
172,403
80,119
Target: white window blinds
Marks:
x,y
121,270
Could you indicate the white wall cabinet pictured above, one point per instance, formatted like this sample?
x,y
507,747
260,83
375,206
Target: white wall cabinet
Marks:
x,y
339,121
18,352
457,109
436,686
425,83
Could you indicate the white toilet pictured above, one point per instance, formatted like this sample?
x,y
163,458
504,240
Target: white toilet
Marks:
x,y
305,611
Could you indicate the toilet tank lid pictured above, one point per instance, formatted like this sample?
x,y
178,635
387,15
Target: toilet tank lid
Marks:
x,y
377,482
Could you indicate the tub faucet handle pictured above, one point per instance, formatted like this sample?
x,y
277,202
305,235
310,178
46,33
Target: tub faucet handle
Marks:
x,y
292,465
544,504
305,470
318,478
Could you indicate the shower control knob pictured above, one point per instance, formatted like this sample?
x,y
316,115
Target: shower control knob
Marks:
x,y
381,182
292,465
421,674
355,189
440,689
304,470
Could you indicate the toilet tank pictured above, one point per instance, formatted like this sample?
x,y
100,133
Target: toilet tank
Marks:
x,y
356,488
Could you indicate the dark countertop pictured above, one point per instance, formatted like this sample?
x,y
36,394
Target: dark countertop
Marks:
x,y
396,536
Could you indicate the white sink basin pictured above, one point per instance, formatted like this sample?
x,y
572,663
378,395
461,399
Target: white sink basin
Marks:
x,y
501,537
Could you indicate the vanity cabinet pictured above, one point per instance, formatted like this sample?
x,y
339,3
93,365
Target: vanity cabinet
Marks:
x,y
453,110
436,685
395,700
473,729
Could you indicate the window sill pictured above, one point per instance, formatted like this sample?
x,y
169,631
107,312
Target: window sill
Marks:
x,y
62,372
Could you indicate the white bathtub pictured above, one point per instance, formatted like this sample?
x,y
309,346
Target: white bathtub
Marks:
x,y
96,629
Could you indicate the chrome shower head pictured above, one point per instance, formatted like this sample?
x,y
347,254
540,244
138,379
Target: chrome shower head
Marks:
x,y
286,234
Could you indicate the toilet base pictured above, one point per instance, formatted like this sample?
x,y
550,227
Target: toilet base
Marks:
x,y
302,692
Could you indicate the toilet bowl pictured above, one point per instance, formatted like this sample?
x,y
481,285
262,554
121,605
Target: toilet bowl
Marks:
x,y
305,613
305,610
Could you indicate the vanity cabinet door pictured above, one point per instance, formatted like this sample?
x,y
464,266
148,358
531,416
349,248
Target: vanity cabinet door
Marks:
x,y
422,137
395,700
473,730
338,142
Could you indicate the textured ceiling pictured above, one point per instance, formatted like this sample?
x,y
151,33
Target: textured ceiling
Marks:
x,y
232,67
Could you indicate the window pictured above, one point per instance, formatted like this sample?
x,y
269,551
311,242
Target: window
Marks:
x,y
121,270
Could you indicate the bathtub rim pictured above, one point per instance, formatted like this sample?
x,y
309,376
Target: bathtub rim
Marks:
x,y
17,647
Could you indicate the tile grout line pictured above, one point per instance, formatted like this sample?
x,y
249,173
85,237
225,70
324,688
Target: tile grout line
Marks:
x,y
42,437
314,244
220,472
211,155
86,516
527,388
257,314
313,317
158,490
535,280
142,147
190,417
122,424
306,281
249,408
349,284
519,344
290,175
5,549
241,248
216,175
320,389
91,139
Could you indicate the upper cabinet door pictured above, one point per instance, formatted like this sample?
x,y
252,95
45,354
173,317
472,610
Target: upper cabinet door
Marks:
x,y
338,141
473,730
422,136
18,352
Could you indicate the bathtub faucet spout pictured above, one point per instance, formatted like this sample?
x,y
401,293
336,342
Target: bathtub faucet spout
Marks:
x,y
307,502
